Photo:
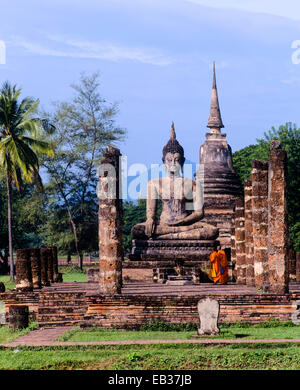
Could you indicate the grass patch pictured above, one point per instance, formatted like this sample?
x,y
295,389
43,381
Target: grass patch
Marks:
x,y
73,273
226,332
7,335
7,282
172,357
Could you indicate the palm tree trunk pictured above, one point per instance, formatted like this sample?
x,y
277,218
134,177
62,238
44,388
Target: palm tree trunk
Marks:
x,y
11,255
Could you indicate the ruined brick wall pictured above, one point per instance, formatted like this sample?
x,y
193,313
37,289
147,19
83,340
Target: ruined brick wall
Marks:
x,y
265,233
130,312
110,224
51,308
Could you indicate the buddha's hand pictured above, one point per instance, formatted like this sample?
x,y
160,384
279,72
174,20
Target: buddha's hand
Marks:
x,y
177,223
150,227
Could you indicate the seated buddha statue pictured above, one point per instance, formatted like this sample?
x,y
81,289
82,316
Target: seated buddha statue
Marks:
x,y
178,221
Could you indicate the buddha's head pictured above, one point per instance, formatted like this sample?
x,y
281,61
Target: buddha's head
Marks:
x,y
173,154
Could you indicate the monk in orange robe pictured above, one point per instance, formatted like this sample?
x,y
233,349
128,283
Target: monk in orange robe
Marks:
x,y
215,269
223,265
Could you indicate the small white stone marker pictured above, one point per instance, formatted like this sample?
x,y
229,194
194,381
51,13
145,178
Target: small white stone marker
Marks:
x,y
208,310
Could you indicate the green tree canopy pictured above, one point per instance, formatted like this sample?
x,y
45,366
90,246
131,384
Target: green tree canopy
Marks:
x,y
289,136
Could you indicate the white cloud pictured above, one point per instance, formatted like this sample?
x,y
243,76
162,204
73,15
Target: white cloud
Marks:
x,y
290,9
90,49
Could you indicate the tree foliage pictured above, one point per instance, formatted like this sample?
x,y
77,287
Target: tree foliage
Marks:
x,y
289,136
85,126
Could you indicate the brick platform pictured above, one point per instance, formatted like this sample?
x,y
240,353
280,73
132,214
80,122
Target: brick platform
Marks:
x,y
66,304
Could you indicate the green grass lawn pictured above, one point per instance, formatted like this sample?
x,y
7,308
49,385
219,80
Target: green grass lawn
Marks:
x,y
168,356
231,332
70,274
8,284
7,335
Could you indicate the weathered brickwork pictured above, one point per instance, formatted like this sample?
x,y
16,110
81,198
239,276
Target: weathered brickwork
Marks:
x,y
240,242
35,261
23,270
132,311
298,267
110,224
249,249
45,264
54,263
259,178
126,311
278,239
36,267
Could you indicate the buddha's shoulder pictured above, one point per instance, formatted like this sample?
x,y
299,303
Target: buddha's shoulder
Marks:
x,y
154,182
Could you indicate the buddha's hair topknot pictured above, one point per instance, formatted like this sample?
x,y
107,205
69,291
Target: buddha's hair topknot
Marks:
x,y
173,146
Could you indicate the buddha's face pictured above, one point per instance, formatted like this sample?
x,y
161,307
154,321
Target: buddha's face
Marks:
x,y
172,163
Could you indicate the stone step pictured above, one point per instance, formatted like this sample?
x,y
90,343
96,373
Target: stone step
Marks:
x,y
56,303
42,324
61,310
43,318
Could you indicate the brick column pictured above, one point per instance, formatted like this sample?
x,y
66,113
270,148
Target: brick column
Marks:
x,y
259,178
110,223
54,263
44,266
249,234
35,262
298,267
278,237
240,242
50,265
292,264
233,254
23,270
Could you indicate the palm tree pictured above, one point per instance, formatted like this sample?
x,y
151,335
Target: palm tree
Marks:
x,y
20,143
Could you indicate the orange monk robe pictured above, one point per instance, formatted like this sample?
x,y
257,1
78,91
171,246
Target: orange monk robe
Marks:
x,y
215,266
224,265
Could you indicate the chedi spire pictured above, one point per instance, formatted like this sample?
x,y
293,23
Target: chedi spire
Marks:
x,y
214,120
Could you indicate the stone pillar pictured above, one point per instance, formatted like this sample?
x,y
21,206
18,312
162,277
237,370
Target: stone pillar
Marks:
x,y
110,223
233,253
54,263
292,264
249,233
298,267
240,242
44,266
278,236
259,178
23,270
35,262
50,265
18,316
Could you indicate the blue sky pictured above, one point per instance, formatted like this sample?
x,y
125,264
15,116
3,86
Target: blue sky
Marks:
x,y
155,58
